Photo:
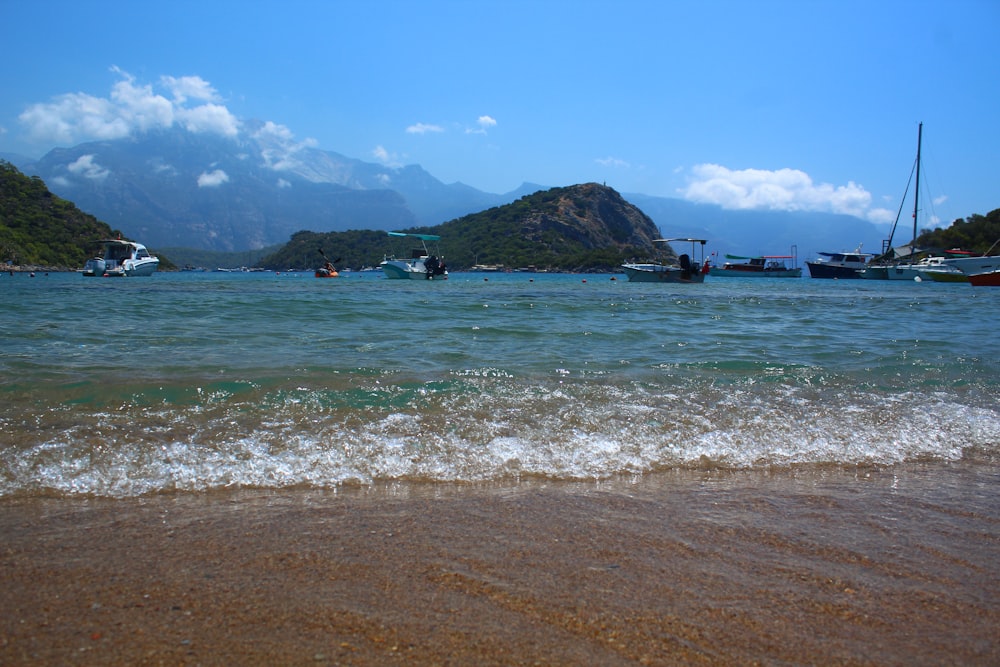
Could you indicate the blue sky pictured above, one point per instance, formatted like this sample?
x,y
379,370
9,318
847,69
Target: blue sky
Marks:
x,y
780,104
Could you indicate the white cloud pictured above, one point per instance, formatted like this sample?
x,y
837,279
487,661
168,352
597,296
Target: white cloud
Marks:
x,y
484,123
186,87
160,167
278,146
386,158
612,162
130,108
423,128
73,117
86,167
781,190
212,179
139,107
282,183
210,119
273,131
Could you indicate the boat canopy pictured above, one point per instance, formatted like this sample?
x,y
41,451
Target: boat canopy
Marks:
x,y
701,241
728,256
422,237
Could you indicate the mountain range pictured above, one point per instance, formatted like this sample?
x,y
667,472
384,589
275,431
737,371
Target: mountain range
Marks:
x,y
175,188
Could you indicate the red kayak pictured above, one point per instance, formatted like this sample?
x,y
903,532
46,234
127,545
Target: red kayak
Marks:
x,y
323,273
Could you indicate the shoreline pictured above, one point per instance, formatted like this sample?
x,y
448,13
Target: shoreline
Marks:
x,y
816,566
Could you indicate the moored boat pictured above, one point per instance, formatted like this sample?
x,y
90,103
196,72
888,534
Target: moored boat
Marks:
x,y
908,262
971,266
685,270
765,266
839,264
937,270
422,265
122,259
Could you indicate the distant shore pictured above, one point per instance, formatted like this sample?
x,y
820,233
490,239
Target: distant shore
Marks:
x,y
29,268
832,566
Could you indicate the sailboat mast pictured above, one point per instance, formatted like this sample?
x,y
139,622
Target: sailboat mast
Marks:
x,y
916,190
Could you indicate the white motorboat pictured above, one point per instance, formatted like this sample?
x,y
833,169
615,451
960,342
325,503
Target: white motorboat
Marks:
x,y
685,270
972,266
422,264
122,259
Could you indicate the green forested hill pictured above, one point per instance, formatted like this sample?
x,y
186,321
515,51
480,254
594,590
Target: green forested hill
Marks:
x,y
39,229
978,233
585,227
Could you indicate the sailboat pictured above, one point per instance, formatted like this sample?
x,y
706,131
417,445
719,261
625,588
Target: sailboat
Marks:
x,y
901,263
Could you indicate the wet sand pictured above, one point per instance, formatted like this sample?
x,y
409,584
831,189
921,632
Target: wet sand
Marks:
x,y
835,566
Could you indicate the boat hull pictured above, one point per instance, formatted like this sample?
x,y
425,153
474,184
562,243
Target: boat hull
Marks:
x,y
825,270
141,267
716,271
988,279
904,272
975,265
128,269
946,276
656,273
395,269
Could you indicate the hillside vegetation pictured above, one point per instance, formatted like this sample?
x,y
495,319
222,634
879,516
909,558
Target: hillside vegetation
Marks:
x,y
586,227
977,233
39,229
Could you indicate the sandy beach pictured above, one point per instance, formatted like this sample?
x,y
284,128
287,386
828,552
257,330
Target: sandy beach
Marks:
x,y
820,566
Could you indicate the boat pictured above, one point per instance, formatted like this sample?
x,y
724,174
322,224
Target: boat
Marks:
x,y
765,266
122,259
685,270
327,270
938,270
422,264
839,264
986,279
971,266
908,262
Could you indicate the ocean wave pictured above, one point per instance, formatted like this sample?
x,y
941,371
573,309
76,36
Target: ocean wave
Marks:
x,y
474,427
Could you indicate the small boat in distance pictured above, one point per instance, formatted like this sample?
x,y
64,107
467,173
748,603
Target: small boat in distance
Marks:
x,y
422,265
328,270
685,270
122,259
839,264
765,266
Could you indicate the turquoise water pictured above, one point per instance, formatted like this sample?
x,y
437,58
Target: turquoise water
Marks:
x,y
195,381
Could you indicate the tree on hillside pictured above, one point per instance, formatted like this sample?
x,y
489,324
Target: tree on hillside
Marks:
x,y
977,233
39,228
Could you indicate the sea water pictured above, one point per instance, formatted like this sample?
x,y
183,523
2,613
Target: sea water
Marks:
x,y
199,381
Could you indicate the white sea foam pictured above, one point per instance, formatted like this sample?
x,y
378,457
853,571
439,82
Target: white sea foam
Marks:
x,y
578,431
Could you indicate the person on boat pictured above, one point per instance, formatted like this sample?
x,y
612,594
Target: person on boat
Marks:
x,y
329,267
431,266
